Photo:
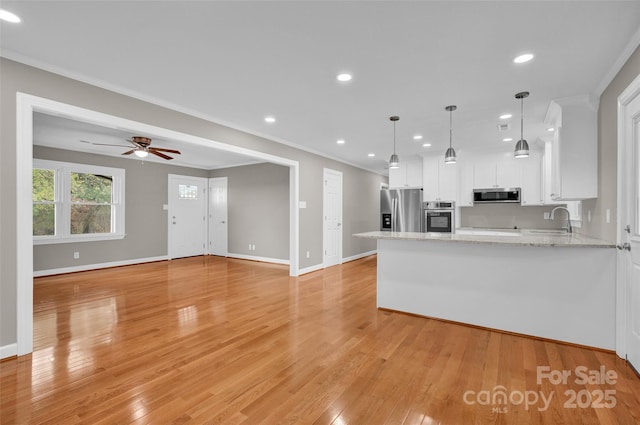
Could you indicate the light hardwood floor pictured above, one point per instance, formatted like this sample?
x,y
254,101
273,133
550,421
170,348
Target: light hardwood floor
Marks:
x,y
222,341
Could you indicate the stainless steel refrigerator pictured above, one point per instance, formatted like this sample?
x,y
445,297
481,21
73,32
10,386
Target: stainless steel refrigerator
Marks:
x,y
401,210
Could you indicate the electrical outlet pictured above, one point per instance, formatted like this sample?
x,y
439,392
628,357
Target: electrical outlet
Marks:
x,y
249,247
608,215
307,254
547,215
589,216
76,255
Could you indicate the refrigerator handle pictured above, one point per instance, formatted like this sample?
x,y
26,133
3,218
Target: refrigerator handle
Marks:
x,y
394,214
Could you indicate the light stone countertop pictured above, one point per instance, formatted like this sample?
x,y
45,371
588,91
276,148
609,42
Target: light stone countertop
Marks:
x,y
496,237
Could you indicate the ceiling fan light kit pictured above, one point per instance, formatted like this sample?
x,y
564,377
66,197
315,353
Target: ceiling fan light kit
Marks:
x,y
394,161
522,147
450,154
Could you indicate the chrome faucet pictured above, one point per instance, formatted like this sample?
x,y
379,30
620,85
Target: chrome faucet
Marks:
x,y
569,229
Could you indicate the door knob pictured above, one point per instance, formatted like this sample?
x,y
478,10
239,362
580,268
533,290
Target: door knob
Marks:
x,y
624,246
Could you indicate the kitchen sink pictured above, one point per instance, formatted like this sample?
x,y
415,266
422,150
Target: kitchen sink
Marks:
x,y
554,232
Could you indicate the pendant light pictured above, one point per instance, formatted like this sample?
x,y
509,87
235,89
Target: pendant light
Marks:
x,y
450,155
393,161
522,147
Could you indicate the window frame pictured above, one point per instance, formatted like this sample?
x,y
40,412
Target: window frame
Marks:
x,y
62,202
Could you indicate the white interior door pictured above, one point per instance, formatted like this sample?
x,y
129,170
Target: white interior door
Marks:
x,y
187,216
629,223
332,208
218,231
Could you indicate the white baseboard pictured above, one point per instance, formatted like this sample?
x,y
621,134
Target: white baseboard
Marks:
x,y
359,256
8,351
86,267
344,260
310,269
256,258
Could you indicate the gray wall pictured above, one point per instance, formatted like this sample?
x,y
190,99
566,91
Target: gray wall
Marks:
x,y
505,216
258,209
146,191
16,77
608,154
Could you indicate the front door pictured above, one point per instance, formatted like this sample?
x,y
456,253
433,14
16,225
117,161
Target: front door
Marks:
x,y
332,208
187,216
218,216
629,222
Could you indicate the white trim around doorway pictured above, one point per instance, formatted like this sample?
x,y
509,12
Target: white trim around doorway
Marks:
x,y
26,105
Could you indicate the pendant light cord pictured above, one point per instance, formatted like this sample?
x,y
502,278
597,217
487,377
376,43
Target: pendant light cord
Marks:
x,y
394,137
450,127
521,118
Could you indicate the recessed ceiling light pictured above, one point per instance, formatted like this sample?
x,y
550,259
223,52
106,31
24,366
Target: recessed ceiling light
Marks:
x,y
340,142
344,77
417,137
426,145
523,58
270,119
550,129
507,139
505,116
371,155
5,15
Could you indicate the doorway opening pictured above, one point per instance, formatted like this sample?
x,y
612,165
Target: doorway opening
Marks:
x,y
26,106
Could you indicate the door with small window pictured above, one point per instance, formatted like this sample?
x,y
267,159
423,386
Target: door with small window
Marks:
x,y
187,216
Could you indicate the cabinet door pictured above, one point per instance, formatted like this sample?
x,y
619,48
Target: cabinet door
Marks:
x,y
397,177
414,173
484,175
465,192
448,181
509,174
532,193
430,190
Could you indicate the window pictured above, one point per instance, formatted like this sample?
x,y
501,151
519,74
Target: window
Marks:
x,y
76,202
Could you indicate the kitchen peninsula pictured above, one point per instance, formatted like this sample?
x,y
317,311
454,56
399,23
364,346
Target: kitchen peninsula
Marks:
x,y
555,286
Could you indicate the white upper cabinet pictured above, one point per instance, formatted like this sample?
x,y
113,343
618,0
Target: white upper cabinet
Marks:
x,y
532,179
465,187
408,174
440,180
574,153
489,173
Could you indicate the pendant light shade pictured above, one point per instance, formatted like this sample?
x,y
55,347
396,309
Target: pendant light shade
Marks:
x,y
450,155
522,147
394,161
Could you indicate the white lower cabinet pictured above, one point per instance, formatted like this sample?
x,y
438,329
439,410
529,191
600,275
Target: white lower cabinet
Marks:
x,y
440,180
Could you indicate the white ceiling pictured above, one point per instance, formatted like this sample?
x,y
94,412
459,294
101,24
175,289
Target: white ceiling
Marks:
x,y
237,62
57,132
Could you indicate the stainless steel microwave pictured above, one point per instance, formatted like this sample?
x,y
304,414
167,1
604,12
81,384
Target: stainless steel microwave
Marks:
x,y
494,196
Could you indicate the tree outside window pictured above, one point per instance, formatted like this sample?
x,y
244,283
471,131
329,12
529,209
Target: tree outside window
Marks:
x,y
74,202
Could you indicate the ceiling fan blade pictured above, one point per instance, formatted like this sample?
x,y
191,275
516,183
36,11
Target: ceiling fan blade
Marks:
x,y
165,150
161,155
129,152
105,144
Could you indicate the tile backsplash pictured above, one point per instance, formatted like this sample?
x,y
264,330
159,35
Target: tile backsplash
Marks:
x,y
508,216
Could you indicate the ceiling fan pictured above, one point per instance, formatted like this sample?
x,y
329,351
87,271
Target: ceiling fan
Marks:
x,y
141,148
